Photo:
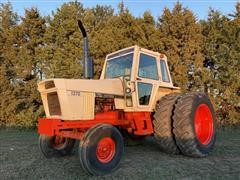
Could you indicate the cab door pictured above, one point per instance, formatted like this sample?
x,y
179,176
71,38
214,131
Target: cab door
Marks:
x,y
147,81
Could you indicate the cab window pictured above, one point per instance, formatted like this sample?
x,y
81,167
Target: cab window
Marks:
x,y
119,66
148,67
144,93
163,66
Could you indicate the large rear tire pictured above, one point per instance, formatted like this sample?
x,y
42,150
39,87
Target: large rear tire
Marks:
x,y
101,149
163,123
52,146
194,124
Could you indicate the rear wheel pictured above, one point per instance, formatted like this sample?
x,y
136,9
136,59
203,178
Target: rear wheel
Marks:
x,y
101,149
163,123
55,145
193,123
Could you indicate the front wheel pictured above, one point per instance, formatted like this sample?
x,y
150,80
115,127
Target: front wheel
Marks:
x,y
194,124
101,149
52,146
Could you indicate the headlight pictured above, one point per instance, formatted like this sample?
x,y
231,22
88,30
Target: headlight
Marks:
x,y
128,90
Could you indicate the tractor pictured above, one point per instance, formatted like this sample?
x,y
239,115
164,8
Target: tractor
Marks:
x,y
135,95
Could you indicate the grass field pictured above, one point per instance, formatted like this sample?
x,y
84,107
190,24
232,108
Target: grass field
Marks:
x,y
20,158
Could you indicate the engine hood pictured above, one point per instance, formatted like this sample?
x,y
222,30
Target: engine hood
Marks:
x,y
104,86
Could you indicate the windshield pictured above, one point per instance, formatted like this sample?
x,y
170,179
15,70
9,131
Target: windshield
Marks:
x,y
119,66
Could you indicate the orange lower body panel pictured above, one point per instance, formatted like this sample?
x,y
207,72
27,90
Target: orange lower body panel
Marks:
x,y
138,123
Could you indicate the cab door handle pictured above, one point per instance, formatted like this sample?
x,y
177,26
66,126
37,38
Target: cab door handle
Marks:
x,y
138,79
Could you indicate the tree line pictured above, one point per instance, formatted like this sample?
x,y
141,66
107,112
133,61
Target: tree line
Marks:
x,y
203,55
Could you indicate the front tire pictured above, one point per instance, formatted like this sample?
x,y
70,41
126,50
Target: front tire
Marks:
x,y
194,125
52,146
101,149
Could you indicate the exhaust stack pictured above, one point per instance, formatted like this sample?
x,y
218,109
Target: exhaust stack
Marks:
x,y
87,61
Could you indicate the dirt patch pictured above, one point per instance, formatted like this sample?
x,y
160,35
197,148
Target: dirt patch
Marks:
x,y
20,158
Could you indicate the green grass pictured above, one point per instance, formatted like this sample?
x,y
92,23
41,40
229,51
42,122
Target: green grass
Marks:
x,y
20,158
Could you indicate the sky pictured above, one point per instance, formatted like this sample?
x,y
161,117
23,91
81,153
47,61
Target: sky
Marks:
x,y
136,7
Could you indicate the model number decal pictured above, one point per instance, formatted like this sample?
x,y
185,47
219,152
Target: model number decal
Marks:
x,y
74,93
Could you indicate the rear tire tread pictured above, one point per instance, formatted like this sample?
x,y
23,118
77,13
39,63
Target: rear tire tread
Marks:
x,y
163,123
183,127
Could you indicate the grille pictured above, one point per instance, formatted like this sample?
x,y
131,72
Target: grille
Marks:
x,y
49,84
53,104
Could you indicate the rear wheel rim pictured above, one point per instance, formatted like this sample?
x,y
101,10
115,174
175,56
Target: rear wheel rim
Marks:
x,y
106,150
203,124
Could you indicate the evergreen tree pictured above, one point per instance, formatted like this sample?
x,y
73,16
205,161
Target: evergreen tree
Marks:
x,y
182,41
96,21
152,37
222,50
202,56
120,31
20,66
28,67
95,18
8,22
63,47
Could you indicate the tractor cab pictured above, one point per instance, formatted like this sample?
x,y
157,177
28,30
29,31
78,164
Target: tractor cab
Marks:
x,y
143,73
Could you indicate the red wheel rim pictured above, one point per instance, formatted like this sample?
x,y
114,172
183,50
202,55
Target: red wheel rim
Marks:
x,y
58,142
203,124
105,150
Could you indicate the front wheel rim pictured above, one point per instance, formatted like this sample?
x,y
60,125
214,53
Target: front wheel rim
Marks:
x,y
59,142
106,150
203,124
